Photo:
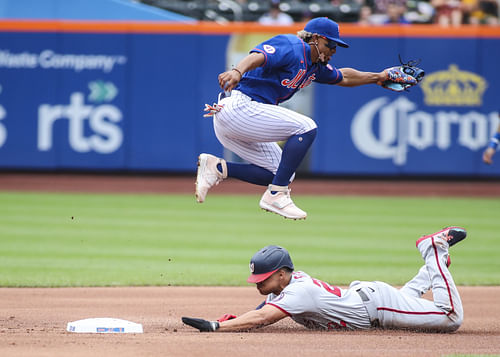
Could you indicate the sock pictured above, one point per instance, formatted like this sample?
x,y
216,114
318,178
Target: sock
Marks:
x,y
248,173
293,153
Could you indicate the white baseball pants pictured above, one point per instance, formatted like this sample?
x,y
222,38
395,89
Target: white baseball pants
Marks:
x,y
251,129
404,308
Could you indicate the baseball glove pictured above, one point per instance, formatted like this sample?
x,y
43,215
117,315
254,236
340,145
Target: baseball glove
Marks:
x,y
404,76
200,324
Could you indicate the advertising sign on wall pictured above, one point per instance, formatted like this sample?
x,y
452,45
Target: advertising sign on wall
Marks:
x,y
440,127
131,98
62,101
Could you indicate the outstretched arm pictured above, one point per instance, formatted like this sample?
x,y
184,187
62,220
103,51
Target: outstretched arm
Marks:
x,y
229,79
256,318
353,77
267,315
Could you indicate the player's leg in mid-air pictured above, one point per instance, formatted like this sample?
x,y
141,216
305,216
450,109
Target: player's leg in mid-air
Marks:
x,y
404,308
251,130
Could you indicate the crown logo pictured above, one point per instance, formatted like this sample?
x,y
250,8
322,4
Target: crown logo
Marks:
x,y
453,88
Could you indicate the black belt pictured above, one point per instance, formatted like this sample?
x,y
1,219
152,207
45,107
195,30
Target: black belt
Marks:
x,y
372,314
362,295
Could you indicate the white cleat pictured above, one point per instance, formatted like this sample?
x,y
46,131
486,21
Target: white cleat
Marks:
x,y
281,203
208,176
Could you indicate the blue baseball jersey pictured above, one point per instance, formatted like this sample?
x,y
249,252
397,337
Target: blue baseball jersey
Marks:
x,y
287,68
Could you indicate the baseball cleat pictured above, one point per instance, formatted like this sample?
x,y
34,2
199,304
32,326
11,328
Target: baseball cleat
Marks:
x,y
452,235
281,203
208,175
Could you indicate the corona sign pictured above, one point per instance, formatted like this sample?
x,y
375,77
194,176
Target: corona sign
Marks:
x,y
453,88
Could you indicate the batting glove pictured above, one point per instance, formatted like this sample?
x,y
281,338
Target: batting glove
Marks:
x,y
200,324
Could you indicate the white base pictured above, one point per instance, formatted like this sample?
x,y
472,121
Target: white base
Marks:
x,y
104,325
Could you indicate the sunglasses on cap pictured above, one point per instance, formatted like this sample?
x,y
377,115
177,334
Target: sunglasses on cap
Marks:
x,y
329,43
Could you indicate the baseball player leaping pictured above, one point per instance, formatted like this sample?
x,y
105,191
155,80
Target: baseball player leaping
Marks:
x,y
249,121
364,305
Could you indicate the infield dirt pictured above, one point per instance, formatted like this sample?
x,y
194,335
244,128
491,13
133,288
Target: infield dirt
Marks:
x,y
33,323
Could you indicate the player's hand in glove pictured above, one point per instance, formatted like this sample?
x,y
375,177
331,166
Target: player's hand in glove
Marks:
x,y
200,324
402,77
226,317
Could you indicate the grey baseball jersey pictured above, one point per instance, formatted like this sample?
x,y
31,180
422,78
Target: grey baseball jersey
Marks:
x,y
316,304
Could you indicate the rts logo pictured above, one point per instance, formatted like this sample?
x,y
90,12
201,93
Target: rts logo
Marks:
x,y
106,136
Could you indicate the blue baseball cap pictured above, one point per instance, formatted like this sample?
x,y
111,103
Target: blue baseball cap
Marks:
x,y
323,26
267,261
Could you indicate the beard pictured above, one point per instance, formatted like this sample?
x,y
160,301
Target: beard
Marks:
x,y
321,56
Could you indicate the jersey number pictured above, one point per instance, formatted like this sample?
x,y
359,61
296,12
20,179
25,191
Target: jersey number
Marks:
x,y
331,289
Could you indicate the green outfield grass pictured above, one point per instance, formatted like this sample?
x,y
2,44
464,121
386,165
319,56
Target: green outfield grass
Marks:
x,y
106,240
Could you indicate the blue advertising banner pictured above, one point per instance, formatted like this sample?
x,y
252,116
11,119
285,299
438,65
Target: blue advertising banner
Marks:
x,y
440,127
133,100
63,101
106,101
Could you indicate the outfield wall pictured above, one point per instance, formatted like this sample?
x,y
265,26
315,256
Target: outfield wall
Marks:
x,y
91,95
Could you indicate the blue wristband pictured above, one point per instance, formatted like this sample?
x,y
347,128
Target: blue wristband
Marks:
x,y
494,141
